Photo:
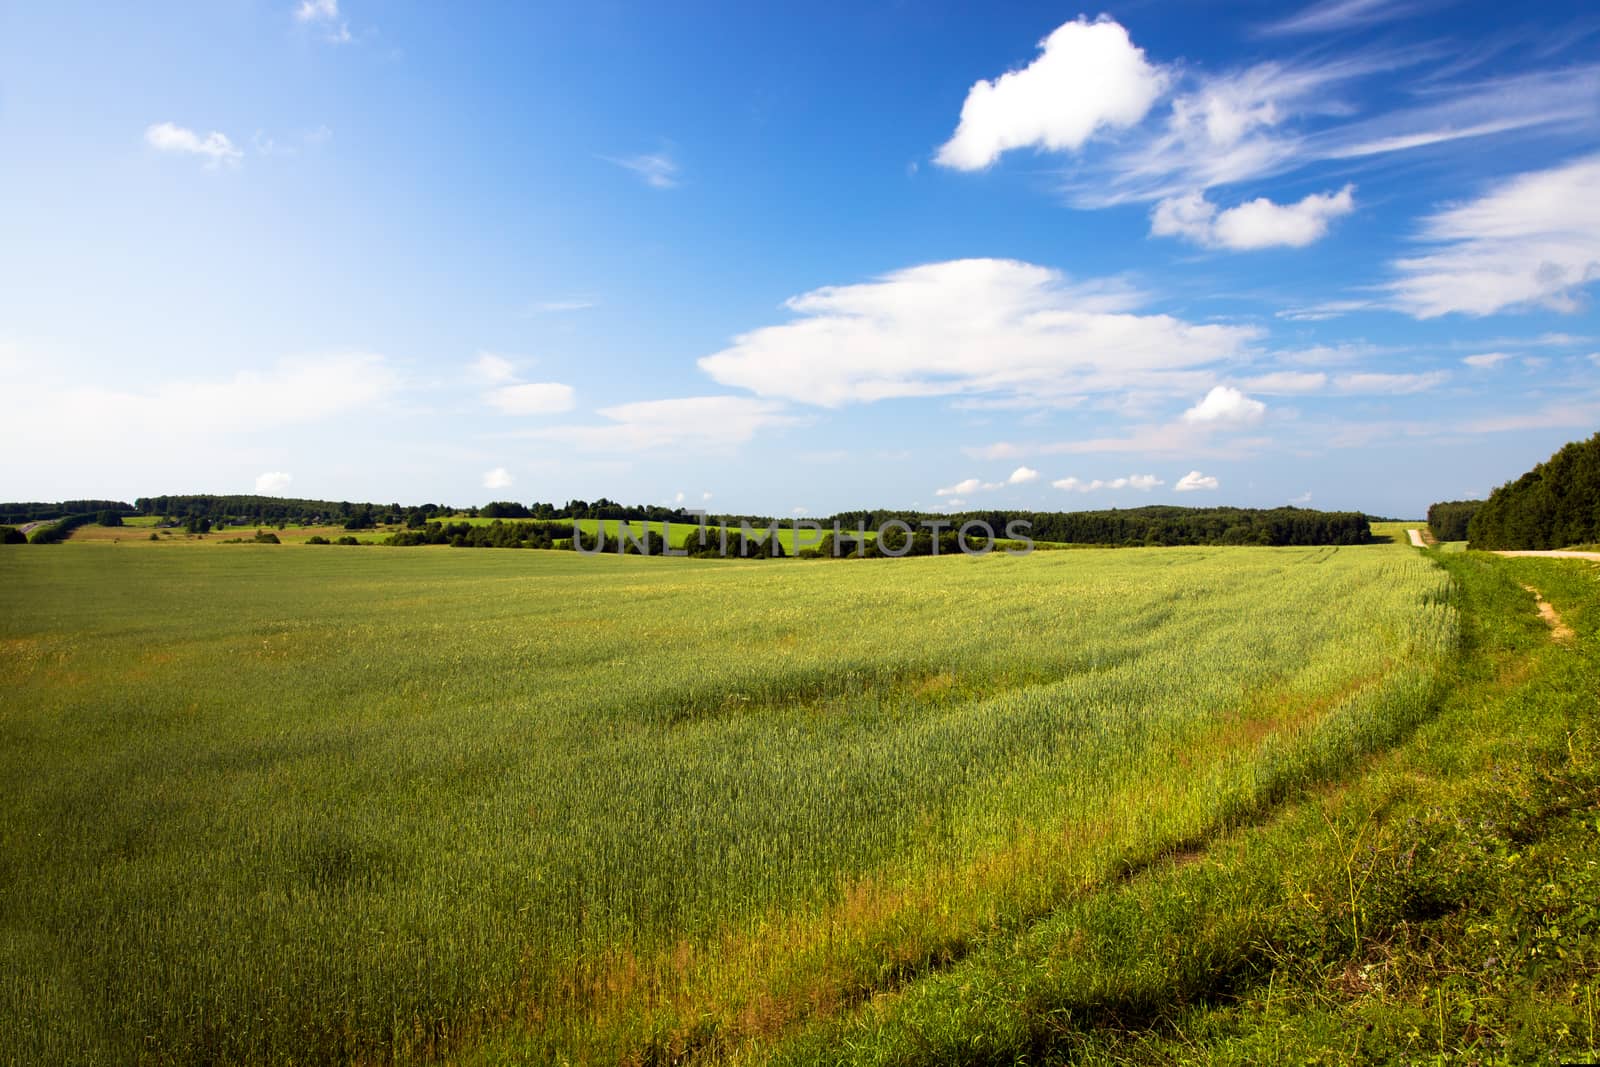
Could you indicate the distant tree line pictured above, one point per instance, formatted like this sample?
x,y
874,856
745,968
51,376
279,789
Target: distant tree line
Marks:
x,y
272,510
1448,519
41,512
1155,525
1554,505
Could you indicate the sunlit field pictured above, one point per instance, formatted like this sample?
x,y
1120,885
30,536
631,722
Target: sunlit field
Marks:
x,y
274,804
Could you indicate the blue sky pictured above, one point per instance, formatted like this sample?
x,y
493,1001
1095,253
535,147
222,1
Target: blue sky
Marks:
x,y
775,261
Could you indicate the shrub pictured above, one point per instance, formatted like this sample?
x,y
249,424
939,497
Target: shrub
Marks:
x,y
317,539
10,535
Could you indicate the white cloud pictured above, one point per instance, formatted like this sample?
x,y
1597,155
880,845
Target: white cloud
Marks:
x,y
1093,92
1142,482
1022,475
214,146
1286,383
532,398
1257,224
296,390
273,483
551,307
499,478
1531,241
1485,360
1193,481
1088,76
968,326
962,488
705,496
1331,16
1302,500
324,13
317,10
707,422
657,169
490,369
1391,384
1225,406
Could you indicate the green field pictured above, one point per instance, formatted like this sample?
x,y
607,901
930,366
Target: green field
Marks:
x,y
268,805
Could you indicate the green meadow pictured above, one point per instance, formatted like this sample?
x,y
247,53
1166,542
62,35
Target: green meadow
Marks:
x,y
281,804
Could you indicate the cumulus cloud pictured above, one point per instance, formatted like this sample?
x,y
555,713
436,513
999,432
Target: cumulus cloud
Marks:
x,y
1225,406
1142,482
1532,241
316,10
1088,76
510,397
1257,224
1485,360
532,398
273,483
217,149
968,326
1193,481
1022,475
325,13
962,488
499,478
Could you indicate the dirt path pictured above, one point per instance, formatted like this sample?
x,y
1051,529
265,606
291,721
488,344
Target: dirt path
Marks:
x,y
1554,553
1559,631
1416,537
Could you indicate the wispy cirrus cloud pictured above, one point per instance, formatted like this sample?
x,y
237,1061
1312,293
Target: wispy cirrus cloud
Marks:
x,y
1137,129
1334,16
1530,241
696,422
658,170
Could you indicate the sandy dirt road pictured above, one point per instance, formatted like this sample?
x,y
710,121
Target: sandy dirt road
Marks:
x,y
1416,537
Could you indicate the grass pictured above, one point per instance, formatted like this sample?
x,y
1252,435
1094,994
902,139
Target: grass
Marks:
x,y
1443,906
271,806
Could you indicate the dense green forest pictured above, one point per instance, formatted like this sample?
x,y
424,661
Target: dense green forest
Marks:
x,y
22,512
1554,505
1448,519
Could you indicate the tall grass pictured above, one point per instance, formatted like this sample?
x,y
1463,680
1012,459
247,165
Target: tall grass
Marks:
x,y
270,806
